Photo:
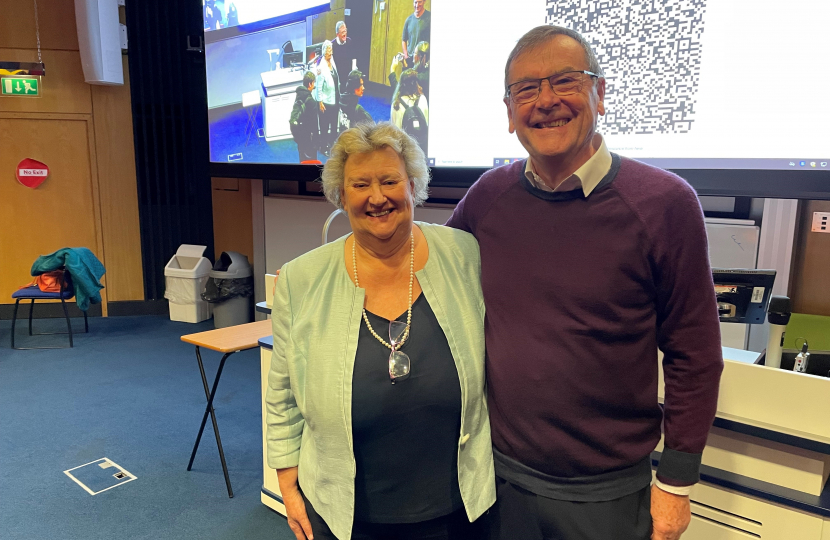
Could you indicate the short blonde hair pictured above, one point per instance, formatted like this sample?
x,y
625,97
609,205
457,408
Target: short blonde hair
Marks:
x,y
368,137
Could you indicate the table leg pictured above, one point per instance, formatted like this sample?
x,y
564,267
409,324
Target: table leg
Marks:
x,y
209,394
249,125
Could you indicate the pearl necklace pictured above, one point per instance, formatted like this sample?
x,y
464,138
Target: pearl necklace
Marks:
x,y
411,281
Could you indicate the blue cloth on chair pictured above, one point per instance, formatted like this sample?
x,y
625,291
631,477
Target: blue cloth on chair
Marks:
x,y
37,294
84,267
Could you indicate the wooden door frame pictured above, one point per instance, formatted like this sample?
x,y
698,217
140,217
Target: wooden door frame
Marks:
x,y
93,176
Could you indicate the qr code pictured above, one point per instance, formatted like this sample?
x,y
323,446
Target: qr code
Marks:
x,y
650,51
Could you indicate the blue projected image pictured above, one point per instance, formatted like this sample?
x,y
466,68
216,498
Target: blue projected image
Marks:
x,y
284,81
220,14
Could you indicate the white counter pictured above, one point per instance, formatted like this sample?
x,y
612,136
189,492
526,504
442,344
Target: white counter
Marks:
x,y
767,460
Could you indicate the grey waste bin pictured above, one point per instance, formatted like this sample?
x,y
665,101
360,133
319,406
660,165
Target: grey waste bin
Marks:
x,y
230,290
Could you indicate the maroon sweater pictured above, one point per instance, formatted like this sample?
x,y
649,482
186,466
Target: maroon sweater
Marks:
x,y
580,293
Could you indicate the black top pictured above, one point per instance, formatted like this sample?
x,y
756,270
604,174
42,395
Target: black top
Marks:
x,y
406,435
343,55
415,30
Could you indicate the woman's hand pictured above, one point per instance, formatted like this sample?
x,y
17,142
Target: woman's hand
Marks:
x,y
322,107
294,504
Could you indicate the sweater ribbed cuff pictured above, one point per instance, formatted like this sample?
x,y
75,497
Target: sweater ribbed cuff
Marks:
x,y
679,468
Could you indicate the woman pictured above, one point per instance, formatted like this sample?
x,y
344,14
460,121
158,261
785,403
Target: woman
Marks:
x,y
376,436
326,92
352,113
422,66
410,110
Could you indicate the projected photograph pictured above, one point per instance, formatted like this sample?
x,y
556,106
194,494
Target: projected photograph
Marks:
x,y
286,78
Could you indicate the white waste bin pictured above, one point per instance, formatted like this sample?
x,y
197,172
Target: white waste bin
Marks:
x,y
185,276
231,290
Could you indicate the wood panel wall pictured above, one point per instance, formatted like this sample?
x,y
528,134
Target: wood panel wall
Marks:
x,y
84,133
810,287
323,26
233,228
378,71
113,121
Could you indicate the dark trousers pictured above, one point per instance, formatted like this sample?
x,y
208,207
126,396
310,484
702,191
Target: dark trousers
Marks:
x,y
328,125
305,145
520,514
452,527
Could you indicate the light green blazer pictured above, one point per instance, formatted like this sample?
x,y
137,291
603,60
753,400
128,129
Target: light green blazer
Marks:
x,y
316,320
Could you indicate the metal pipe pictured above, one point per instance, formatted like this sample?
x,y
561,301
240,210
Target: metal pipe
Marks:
x,y
328,224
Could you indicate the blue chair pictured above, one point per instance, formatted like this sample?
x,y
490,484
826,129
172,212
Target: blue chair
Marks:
x,y
34,293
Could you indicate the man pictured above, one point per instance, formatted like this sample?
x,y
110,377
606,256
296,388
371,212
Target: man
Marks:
x,y
342,49
590,262
303,119
415,29
353,112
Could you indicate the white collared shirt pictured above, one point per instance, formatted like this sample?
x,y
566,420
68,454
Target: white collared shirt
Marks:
x,y
588,176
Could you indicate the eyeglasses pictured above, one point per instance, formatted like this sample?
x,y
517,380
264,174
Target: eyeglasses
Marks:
x,y
399,363
562,84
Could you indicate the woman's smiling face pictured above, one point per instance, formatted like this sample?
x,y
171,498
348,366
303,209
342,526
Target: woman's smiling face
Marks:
x,y
378,194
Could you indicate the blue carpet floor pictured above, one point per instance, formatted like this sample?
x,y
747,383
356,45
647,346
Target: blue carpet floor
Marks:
x,y
130,391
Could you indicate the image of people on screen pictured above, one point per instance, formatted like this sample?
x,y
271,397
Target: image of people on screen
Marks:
x,y
351,112
217,14
282,92
410,110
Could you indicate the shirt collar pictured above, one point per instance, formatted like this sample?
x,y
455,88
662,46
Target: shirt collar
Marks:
x,y
588,176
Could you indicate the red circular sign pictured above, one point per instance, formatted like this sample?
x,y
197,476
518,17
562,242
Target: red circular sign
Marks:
x,y
31,173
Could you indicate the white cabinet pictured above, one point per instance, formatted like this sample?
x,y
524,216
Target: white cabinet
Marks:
x,y
280,92
733,243
721,514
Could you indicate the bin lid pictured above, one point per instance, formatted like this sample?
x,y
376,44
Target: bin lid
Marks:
x,y
188,262
231,265
190,250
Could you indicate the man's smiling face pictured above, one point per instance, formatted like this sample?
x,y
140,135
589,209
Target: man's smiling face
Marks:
x,y
556,129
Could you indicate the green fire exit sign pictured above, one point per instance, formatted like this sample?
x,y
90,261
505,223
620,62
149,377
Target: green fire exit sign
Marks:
x,y
20,86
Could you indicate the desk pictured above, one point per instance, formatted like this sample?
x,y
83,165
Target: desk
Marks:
x,y
251,102
228,341
280,88
270,494
767,459
764,469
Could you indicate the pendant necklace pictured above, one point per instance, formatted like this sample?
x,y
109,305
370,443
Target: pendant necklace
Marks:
x,y
399,362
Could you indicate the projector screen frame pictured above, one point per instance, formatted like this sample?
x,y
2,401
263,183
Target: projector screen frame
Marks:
x,y
774,184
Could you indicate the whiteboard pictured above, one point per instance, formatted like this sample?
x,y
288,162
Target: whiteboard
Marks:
x,y
733,244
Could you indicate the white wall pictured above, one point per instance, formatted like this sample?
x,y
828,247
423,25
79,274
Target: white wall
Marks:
x,y
294,226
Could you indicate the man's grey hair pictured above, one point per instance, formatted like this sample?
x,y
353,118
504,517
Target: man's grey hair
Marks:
x,y
541,35
368,137
338,26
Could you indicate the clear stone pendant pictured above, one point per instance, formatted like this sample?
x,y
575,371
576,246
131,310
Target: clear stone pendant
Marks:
x,y
399,365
